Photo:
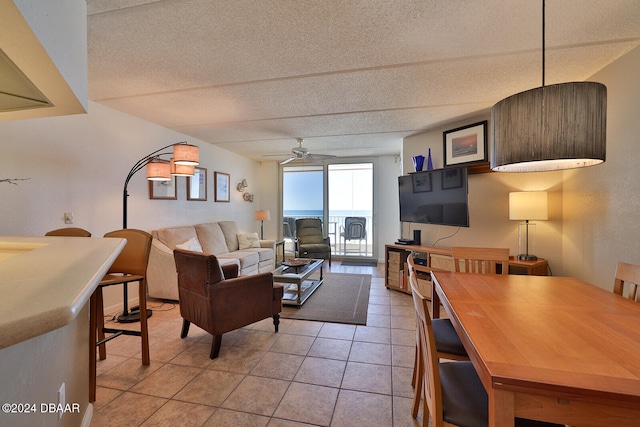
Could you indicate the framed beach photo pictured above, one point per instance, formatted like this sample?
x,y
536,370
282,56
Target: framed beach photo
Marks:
x,y
466,144
197,184
163,190
221,186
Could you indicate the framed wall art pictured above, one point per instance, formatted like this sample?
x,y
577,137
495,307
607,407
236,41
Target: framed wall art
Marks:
x,y
466,144
221,186
163,190
197,184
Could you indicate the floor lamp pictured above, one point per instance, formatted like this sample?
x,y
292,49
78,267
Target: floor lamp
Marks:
x,y
262,215
526,206
185,158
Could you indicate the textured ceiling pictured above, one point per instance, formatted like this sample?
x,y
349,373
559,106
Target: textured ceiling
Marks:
x,y
350,77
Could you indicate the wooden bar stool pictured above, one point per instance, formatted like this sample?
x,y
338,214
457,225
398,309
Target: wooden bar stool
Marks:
x,y
130,266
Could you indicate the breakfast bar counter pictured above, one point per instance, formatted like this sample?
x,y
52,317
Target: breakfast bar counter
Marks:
x,y
46,281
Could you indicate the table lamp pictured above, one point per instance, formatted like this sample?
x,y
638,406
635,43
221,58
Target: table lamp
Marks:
x,y
262,215
526,206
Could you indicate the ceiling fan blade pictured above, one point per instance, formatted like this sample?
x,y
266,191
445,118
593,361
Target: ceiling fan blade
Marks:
x,y
290,159
322,156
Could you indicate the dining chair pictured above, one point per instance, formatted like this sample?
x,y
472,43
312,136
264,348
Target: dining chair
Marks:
x,y
447,343
130,266
69,232
453,393
627,274
480,260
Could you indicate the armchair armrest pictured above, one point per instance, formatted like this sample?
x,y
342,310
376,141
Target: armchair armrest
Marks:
x,y
268,244
230,271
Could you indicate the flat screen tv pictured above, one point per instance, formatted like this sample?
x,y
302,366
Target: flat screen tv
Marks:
x,y
435,197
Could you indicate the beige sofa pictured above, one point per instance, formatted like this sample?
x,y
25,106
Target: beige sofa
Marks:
x,y
217,238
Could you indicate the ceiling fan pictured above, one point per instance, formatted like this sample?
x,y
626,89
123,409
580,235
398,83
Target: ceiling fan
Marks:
x,y
302,153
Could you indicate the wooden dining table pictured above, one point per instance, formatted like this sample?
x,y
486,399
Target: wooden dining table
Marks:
x,y
554,349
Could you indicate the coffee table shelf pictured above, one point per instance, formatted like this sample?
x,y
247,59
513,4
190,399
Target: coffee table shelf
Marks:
x,y
297,281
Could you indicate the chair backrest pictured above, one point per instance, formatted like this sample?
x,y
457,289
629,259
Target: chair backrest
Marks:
x,y
134,257
197,270
355,227
480,260
427,343
309,230
69,231
289,227
627,274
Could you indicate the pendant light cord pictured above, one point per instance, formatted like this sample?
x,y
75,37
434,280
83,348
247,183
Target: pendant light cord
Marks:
x,y
543,40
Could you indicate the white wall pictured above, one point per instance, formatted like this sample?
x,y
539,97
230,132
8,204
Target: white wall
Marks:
x,y
489,204
79,163
601,204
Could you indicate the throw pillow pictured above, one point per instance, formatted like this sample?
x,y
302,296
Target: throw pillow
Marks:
x,y
250,240
190,245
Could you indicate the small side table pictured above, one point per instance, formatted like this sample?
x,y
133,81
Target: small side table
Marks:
x,y
279,244
538,267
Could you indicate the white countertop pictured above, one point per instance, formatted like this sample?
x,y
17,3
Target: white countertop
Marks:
x,y
46,281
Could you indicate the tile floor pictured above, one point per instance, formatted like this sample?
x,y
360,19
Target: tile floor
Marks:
x,y
310,373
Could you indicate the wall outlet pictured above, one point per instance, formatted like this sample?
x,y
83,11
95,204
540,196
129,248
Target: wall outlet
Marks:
x,y
62,400
68,217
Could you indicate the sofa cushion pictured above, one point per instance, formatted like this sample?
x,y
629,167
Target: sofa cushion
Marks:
x,y
264,254
230,231
250,240
245,258
190,245
211,238
174,236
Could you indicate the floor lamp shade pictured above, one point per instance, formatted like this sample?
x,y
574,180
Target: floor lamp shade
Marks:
x,y
262,215
553,127
186,154
159,170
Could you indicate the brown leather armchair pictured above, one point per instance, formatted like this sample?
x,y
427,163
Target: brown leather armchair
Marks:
x,y
216,300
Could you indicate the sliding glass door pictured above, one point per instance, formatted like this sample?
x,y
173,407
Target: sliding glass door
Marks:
x,y
341,195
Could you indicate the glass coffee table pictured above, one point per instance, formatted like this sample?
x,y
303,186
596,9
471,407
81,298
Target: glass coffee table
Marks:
x,y
297,280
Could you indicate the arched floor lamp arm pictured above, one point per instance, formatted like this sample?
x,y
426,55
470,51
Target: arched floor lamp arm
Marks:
x,y
136,167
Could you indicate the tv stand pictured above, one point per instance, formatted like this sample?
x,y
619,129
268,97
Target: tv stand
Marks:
x,y
439,258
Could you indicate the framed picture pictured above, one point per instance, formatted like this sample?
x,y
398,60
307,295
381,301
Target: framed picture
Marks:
x,y
421,182
221,186
197,185
467,144
451,178
163,190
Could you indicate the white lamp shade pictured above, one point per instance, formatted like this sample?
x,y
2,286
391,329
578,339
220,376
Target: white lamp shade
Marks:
x,y
528,205
262,215
159,170
186,154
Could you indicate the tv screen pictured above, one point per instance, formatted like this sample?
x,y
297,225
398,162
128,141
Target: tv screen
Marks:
x,y
435,197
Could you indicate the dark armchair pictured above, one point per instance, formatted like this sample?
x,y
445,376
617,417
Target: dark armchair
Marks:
x,y
310,240
216,300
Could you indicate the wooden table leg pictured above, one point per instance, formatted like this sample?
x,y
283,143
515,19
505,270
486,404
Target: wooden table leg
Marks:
x,y
501,408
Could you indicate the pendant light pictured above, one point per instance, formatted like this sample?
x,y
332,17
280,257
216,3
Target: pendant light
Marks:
x,y
561,126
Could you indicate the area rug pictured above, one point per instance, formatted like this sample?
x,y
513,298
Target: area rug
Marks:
x,y
342,298
359,263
